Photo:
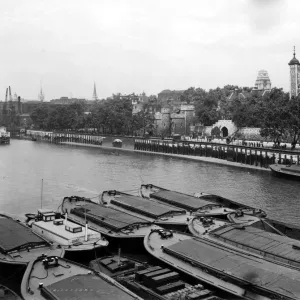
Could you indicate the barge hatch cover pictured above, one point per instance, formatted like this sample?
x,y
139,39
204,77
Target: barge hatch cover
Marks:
x,y
270,245
85,287
144,207
108,217
14,236
267,277
181,200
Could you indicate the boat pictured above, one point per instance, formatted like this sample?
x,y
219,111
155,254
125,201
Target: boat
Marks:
x,y
52,277
8,294
250,240
291,171
192,204
231,204
18,246
154,211
242,275
274,226
152,282
117,226
77,240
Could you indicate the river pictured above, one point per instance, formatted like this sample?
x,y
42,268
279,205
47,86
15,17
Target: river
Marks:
x,y
69,170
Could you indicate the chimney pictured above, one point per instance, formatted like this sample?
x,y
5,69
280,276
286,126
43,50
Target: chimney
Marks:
x,y
19,105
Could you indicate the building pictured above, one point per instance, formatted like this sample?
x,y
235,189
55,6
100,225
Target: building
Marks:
x,y
66,100
263,81
171,121
294,76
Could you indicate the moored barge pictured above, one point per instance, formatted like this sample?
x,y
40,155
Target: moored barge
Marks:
x,y
117,226
286,171
246,276
77,240
154,211
18,246
192,204
52,278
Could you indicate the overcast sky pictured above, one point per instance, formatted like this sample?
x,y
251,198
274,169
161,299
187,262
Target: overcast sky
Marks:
x,y
143,45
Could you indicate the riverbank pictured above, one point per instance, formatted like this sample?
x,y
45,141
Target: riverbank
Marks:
x,y
180,156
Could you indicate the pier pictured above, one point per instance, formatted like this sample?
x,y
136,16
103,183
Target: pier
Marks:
x,y
249,156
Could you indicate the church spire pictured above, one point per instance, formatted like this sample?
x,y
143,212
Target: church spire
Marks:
x,y
95,96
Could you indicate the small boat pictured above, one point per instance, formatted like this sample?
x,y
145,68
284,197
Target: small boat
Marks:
x,y
152,210
18,246
117,226
194,205
242,275
67,234
8,294
51,277
151,282
286,171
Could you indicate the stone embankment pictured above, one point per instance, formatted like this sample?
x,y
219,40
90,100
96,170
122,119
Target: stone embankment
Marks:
x,y
251,156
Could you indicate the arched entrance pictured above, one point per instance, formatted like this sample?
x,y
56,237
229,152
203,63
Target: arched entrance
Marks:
x,y
224,132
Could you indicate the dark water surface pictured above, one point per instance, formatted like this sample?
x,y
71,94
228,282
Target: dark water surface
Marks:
x,y
69,170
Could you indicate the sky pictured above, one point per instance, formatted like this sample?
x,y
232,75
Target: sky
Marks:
x,y
127,46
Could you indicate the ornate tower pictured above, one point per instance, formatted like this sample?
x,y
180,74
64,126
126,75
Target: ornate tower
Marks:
x,y
263,81
294,76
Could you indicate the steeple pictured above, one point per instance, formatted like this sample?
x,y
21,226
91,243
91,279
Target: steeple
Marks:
x,y
41,95
95,96
294,60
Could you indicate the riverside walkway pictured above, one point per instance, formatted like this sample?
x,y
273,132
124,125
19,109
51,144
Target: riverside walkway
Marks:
x,y
245,156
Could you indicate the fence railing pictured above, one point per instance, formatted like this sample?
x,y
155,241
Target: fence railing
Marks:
x,y
255,156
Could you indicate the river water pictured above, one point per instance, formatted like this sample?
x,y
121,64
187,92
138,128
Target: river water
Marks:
x,y
69,170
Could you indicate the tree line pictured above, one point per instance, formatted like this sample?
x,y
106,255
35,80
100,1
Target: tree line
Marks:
x,y
273,112
105,116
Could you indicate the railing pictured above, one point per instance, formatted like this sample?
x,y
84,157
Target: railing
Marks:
x,y
255,156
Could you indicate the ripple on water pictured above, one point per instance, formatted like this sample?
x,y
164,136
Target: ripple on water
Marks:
x,y
89,171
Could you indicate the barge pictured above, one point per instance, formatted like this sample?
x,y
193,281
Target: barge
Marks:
x,y
51,278
154,211
286,171
118,227
77,240
192,204
18,246
237,273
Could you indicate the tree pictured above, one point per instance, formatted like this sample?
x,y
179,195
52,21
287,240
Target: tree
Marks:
x,y
39,115
274,115
293,124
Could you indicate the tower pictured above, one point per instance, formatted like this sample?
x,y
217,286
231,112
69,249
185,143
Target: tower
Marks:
x,y
294,76
263,81
95,96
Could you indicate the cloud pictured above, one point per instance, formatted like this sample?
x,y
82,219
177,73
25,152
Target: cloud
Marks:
x,y
266,15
